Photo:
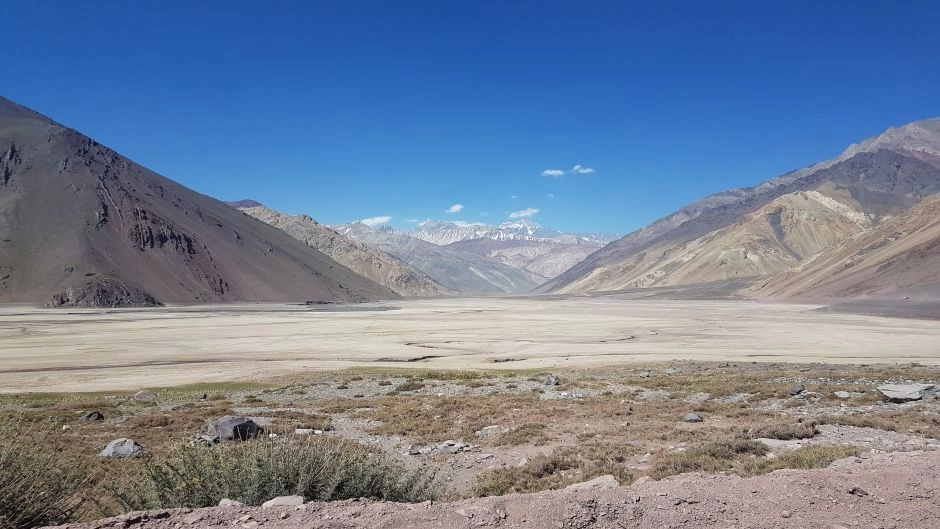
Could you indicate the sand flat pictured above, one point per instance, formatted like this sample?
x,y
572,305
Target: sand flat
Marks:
x,y
92,350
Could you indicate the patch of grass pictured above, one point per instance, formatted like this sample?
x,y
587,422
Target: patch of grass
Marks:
x,y
254,472
911,420
409,386
531,433
35,488
711,457
785,431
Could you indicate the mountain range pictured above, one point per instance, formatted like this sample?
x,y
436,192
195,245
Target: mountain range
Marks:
x,y
81,225
777,226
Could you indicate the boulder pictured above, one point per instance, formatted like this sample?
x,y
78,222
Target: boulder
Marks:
x,y
906,392
122,448
93,416
551,380
692,417
796,390
231,428
144,395
598,483
284,501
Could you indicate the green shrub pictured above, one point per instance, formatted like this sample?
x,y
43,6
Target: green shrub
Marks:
x,y
34,488
254,472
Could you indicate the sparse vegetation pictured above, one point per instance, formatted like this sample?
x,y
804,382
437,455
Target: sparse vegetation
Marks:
x,y
35,489
525,434
253,472
785,430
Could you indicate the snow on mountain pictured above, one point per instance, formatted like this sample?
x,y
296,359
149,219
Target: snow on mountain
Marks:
x,y
448,232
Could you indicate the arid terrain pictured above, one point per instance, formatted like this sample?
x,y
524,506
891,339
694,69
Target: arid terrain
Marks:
x,y
98,350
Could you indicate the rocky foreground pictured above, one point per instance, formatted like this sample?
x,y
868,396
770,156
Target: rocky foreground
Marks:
x,y
896,490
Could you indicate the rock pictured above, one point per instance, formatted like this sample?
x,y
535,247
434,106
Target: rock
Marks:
x,y
598,483
486,431
644,374
225,502
122,448
692,417
906,392
66,427
144,395
786,514
796,390
414,450
205,440
845,462
232,428
842,395
118,420
93,416
303,431
551,380
284,501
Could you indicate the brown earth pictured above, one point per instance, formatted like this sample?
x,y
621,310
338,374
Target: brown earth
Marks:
x,y
898,490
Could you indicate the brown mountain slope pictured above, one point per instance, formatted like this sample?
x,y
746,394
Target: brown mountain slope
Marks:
x,y
889,172
543,258
900,255
364,260
82,225
768,240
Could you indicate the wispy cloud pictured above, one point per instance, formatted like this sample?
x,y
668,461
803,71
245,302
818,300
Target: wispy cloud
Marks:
x,y
522,213
577,169
374,221
465,224
580,169
550,195
456,208
514,197
553,172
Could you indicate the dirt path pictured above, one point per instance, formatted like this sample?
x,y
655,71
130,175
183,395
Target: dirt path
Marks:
x,y
88,350
900,491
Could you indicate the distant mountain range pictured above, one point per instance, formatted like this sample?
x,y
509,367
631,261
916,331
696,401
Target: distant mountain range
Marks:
x,y
788,225
445,232
81,225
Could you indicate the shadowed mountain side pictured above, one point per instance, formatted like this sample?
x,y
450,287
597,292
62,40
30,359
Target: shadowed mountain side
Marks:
x,y
80,225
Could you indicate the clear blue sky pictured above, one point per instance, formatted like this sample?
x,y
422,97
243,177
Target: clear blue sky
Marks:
x,y
354,109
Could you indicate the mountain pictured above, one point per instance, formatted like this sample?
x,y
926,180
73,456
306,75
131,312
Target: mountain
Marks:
x,y
374,264
879,177
455,269
543,258
81,225
902,255
445,232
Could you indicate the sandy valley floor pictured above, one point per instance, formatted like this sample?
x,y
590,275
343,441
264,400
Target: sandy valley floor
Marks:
x,y
85,350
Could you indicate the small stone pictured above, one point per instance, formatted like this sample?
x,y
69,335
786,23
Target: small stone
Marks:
x,y
122,448
303,431
225,502
66,427
786,514
796,390
842,394
551,380
599,483
93,416
463,513
692,417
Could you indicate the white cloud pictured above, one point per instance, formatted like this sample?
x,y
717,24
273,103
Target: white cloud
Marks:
x,y
522,213
374,221
580,169
456,208
553,172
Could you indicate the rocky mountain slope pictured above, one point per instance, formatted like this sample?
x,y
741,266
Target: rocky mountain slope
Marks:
x,y
456,269
80,225
900,256
543,258
366,261
878,178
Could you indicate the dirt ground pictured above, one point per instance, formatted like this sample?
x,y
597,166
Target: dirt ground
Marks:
x,y
98,350
884,491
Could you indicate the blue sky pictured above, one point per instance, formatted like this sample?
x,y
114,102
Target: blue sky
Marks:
x,y
352,109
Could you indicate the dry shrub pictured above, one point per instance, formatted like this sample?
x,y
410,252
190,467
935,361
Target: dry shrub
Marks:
x,y
525,434
35,488
785,431
254,472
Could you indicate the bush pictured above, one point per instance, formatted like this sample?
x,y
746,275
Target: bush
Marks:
x,y
786,431
712,457
254,472
34,489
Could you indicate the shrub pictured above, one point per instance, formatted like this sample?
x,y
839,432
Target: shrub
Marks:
x,y
254,472
712,457
409,386
527,433
34,488
786,431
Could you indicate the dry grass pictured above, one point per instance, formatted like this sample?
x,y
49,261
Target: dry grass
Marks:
x,y
911,420
785,430
526,434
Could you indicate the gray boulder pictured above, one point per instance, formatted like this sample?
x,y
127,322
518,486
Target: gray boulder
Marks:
x,y
796,390
551,380
231,428
284,501
122,448
907,392
93,416
692,417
